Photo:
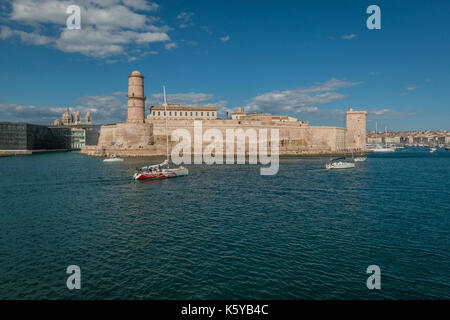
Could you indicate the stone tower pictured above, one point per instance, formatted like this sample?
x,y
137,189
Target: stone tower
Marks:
x,y
356,130
88,117
77,117
136,98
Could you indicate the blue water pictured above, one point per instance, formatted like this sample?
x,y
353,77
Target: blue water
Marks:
x,y
225,232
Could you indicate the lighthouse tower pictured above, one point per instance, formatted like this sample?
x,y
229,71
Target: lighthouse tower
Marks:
x,y
136,98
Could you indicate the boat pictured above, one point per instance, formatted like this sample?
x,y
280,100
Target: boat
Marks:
x,y
382,149
162,170
433,149
113,158
339,164
159,171
360,159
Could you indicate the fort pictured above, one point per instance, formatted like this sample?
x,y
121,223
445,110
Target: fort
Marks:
x,y
141,136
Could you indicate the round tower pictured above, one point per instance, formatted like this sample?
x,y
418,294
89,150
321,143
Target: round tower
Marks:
x,y
136,98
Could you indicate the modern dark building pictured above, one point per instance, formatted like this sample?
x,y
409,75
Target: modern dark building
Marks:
x,y
24,136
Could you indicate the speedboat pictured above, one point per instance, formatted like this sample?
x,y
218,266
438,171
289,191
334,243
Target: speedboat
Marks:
x,y
159,171
360,159
113,158
339,164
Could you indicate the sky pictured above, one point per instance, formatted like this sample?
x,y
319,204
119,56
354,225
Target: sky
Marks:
x,y
312,60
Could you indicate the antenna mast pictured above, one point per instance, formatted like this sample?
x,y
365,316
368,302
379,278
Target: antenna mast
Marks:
x,y
167,130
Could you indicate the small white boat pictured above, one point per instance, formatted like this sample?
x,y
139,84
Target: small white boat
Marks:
x,y
383,149
339,164
360,159
433,150
113,158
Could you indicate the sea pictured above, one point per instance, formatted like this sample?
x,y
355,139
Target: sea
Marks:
x,y
225,231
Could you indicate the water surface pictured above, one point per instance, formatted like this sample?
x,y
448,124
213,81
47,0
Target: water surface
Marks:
x,y
225,232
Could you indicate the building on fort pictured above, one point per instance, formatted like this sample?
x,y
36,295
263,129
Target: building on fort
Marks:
x,y
141,136
239,114
178,112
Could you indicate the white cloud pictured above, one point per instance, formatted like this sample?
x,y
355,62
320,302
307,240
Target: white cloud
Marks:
x,y
300,99
384,114
108,27
29,38
191,98
170,46
104,108
348,36
225,39
186,19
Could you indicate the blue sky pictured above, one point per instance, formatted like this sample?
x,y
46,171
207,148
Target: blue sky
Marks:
x,y
309,59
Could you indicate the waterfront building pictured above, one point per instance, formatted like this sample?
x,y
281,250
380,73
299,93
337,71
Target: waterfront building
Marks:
x,y
240,114
68,119
28,138
178,112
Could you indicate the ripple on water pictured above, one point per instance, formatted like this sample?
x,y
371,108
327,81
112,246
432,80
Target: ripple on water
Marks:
x,y
225,232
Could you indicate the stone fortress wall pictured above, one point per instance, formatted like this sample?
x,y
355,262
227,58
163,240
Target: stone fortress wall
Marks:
x,y
147,137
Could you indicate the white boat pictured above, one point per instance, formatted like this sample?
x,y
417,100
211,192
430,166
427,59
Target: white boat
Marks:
x,y
113,158
382,149
339,164
433,150
162,170
360,159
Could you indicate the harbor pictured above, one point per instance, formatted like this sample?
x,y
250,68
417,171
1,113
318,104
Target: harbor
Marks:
x,y
230,232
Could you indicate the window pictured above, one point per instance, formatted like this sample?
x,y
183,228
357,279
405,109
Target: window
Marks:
x,y
154,113
170,113
213,114
185,113
196,113
191,113
164,113
202,114
207,114
175,113
159,113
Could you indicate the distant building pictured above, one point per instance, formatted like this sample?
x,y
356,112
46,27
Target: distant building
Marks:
x,y
68,119
240,114
178,112
26,138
